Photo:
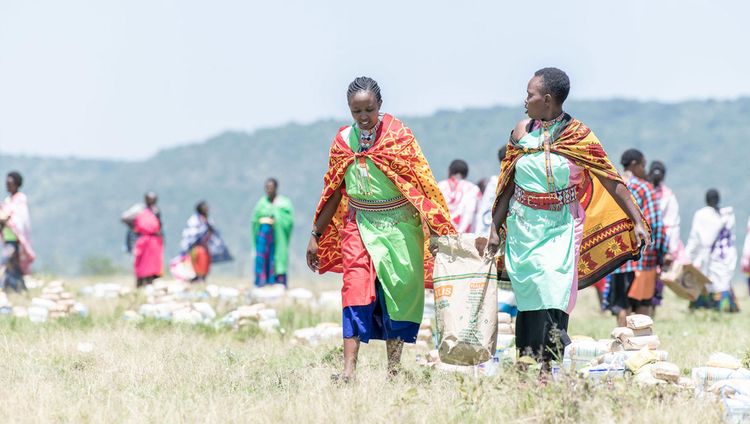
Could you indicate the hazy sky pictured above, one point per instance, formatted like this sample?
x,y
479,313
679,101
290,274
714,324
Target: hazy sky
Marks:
x,y
122,79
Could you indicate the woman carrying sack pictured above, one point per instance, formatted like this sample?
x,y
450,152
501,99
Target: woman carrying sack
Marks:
x,y
379,205
569,217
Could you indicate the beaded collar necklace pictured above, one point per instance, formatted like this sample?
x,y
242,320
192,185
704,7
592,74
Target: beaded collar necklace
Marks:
x,y
547,124
367,137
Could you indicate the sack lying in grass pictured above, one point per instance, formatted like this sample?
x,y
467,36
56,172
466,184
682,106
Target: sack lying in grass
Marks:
x,y
638,343
638,321
730,387
706,376
722,360
646,377
666,371
581,353
640,359
629,332
622,356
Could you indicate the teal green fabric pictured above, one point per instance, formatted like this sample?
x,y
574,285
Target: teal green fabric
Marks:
x,y
282,212
393,239
541,245
8,234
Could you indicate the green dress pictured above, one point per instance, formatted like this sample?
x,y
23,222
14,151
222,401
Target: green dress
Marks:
x,y
393,239
282,212
542,246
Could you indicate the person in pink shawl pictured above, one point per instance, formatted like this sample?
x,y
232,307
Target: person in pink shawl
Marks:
x,y
148,251
745,262
462,196
15,233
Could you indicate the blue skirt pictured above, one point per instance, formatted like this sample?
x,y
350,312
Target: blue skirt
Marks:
x,y
264,258
373,322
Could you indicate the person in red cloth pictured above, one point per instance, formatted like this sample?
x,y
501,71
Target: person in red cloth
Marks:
x,y
148,251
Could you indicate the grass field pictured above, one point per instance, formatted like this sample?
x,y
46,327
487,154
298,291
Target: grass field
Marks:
x,y
158,372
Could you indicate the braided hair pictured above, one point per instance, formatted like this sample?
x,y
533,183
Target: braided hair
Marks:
x,y
364,84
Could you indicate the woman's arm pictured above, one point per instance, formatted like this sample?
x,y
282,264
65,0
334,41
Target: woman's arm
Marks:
x,y
324,219
624,199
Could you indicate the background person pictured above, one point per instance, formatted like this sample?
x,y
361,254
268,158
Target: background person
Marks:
x,y
746,254
483,219
15,232
202,243
632,286
461,195
711,249
273,221
670,213
148,248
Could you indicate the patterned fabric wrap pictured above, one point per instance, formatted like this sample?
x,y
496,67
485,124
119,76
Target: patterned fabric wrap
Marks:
x,y
398,155
608,236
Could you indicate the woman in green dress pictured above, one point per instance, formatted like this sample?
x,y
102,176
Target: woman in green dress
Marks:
x,y
564,229
378,207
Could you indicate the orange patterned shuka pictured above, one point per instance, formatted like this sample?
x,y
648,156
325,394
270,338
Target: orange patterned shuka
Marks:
x,y
608,236
396,153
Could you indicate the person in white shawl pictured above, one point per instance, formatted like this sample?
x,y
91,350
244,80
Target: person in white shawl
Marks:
x,y
711,247
461,196
16,253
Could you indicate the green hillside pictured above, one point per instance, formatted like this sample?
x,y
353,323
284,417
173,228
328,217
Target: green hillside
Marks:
x,y
76,203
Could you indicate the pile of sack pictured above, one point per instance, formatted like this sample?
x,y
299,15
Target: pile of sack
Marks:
x,y
175,311
257,314
223,293
724,377
54,303
720,368
278,295
105,290
165,301
321,333
162,291
165,291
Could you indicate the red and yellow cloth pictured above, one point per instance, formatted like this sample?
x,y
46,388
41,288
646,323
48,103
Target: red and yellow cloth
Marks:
x,y
399,156
608,236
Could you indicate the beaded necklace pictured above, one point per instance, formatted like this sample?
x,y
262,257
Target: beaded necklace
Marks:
x,y
368,137
546,142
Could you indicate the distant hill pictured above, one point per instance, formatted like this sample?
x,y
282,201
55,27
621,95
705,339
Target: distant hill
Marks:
x,y
76,203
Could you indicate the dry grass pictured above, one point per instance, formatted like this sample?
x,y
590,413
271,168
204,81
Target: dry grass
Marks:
x,y
157,372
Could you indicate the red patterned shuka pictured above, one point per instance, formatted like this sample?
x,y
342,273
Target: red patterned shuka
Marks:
x,y
399,156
